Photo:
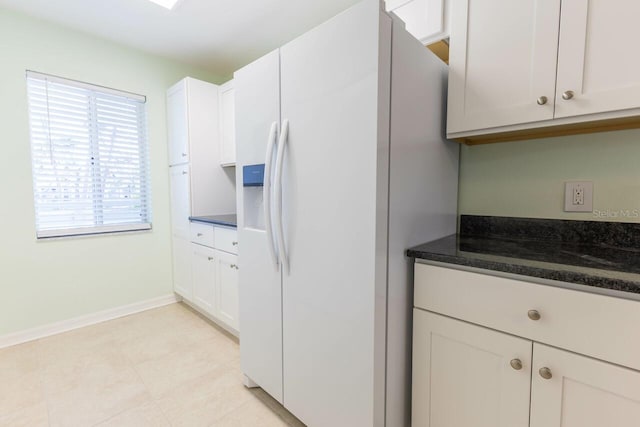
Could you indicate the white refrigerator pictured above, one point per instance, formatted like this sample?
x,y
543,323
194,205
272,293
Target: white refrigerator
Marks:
x,y
341,166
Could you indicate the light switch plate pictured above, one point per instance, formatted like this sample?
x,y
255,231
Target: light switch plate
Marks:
x,y
578,196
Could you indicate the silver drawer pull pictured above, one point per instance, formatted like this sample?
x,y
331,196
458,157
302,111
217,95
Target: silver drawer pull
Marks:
x,y
199,234
184,172
545,373
233,266
567,95
210,258
516,364
234,243
184,154
542,100
534,314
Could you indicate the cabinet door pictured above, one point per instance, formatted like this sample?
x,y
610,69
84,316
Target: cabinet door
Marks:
x,y
180,200
178,124
227,289
424,19
463,375
596,60
582,392
502,60
203,266
227,125
182,279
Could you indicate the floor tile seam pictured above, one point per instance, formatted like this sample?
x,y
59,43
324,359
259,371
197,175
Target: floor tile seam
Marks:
x,y
162,410
211,340
41,372
190,381
231,412
142,381
151,400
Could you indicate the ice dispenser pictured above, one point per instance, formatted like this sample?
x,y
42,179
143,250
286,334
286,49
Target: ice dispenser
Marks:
x,y
253,182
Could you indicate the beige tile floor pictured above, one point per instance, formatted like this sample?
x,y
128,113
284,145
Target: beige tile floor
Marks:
x,y
162,367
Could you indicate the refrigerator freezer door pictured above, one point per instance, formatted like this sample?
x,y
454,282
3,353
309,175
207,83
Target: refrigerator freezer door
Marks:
x,y
334,208
260,282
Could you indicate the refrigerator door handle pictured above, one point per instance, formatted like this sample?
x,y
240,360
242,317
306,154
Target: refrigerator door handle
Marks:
x,y
284,136
273,133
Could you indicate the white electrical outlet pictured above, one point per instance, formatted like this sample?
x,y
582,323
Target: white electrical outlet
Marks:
x,y
578,196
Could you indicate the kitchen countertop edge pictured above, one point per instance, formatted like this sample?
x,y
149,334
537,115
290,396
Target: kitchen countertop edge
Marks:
x,y
557,275
222,220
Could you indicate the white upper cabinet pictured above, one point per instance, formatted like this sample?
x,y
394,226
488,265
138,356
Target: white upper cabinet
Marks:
x,y
426,20
569,390
227,125
535,64
178,123
503,57
598,68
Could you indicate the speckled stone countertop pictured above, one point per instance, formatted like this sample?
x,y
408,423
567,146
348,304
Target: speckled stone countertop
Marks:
x,y
599,254
230,220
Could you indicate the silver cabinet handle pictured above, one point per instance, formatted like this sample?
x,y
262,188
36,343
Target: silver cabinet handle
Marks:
x,y
210,258
184,154
534,314
542,100
567,95
233,266
516,364
184,172
234,243
199,235
545,373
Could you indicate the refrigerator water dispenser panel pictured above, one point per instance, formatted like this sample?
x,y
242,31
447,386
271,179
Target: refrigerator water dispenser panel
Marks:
x,y
253,175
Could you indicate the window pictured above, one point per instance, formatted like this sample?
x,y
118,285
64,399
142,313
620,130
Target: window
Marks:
x,y
90,158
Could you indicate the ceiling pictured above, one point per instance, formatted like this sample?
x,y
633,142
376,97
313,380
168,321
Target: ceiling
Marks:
x,y
217,35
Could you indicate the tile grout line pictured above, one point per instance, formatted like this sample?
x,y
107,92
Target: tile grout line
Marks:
x,y
41,373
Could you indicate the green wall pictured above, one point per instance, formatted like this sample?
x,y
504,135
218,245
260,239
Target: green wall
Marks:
x,y
48,281
526,178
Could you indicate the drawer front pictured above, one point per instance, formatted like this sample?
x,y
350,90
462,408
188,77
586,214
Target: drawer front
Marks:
x,y
226,239
595,325
202,234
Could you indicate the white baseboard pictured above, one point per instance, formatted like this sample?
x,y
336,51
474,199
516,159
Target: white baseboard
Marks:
x,y
86,320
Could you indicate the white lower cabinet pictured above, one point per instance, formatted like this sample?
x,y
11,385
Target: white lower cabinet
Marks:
x,y
227,288
203,267
582,392
467,374
206,275
182,280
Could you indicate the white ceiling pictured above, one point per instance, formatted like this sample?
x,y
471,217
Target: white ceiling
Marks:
x,y
218,35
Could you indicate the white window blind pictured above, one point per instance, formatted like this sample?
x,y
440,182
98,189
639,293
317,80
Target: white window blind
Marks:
x,y
90,158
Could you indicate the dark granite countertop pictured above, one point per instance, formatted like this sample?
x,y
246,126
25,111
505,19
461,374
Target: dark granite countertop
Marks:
x,y
603,255
230,220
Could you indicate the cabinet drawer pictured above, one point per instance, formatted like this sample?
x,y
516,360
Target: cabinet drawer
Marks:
x,y
202,234
226,239
596,325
